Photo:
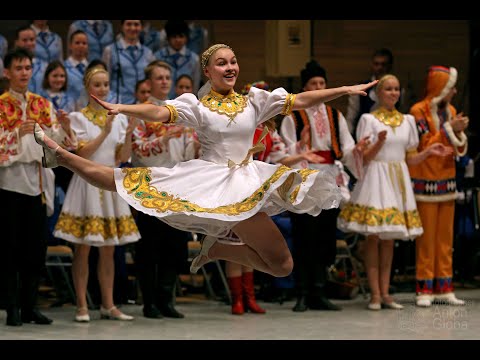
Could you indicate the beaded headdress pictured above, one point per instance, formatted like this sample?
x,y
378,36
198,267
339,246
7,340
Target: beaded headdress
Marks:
x,y
209,52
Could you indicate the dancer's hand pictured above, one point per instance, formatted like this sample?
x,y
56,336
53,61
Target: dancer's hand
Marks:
x,y
108,124
26,127
313,158
132,124
382,135
439,149
64,120
113,109
459,123
68,144
363,144
174,132
360,89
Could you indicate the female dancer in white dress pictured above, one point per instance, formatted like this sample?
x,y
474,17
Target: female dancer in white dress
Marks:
x,y
382,205
91,216
224,189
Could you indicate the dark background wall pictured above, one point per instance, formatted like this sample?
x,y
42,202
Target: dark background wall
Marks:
x,y
344,48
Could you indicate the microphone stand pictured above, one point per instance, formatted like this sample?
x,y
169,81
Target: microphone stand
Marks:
x,y
118,70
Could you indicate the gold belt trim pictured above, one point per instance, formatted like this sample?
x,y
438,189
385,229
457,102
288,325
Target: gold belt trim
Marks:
x,y
395,170
259,146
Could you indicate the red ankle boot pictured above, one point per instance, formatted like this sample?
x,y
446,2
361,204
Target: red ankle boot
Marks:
x,y
249,294
235,284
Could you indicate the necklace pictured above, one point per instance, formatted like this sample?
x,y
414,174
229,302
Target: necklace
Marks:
x,y
392,118
96,116
230,105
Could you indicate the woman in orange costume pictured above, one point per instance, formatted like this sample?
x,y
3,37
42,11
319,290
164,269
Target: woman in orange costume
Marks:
x,y
434,186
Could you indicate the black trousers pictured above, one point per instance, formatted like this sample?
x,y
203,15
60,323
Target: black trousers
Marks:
x,y
314,248
160,255
24,246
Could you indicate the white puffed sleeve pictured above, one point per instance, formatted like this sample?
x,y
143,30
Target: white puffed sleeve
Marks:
x,y
78,124
188,108
351,158
122,123
365,128
413,138
268,104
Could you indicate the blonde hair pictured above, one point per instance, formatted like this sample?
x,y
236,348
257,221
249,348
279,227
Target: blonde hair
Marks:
x,y
210,51
93,71
156,63
383,79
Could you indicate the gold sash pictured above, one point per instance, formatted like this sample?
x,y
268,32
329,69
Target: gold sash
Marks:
x,y
259,146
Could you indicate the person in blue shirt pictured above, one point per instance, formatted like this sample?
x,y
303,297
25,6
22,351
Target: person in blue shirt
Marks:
x,y
99,33
49,45
26,39
126,59
178,56
76,63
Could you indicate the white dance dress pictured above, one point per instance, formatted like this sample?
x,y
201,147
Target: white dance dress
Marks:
x,y
224,186
90,215
382,202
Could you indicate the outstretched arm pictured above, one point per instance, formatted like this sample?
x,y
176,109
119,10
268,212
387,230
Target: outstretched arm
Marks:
x,y
146,112
307,99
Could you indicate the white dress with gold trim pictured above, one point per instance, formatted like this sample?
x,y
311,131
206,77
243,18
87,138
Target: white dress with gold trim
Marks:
x,y
211,194
90,215
382,202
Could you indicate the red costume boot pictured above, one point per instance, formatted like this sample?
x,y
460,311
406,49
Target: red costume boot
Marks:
x,y
235,284
249,294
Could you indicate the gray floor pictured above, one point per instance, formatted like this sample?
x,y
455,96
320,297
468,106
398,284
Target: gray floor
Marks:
x,y
206,319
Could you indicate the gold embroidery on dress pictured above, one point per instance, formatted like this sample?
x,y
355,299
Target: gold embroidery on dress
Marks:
x,y
137,183
304,173
107,227
368,215
259,146
230,105
395,172
392,118
96,116
285,187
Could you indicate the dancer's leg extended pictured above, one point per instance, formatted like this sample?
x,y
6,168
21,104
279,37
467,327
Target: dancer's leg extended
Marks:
x,y
265,248
96,174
